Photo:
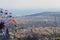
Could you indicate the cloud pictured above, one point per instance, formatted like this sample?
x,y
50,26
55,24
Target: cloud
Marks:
x,y
18,4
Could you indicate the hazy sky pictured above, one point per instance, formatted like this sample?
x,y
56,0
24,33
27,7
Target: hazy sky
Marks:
x,y
17,4
29,4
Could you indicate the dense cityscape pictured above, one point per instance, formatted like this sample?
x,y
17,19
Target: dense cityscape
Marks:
x,y
29,27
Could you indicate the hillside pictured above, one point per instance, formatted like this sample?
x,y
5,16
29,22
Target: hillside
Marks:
x,y
40,19
57,14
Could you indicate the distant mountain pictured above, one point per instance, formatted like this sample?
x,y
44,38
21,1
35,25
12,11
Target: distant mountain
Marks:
x,y
57,14
40,19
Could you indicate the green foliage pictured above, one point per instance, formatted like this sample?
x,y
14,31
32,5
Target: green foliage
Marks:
x,y
58,38
16,29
